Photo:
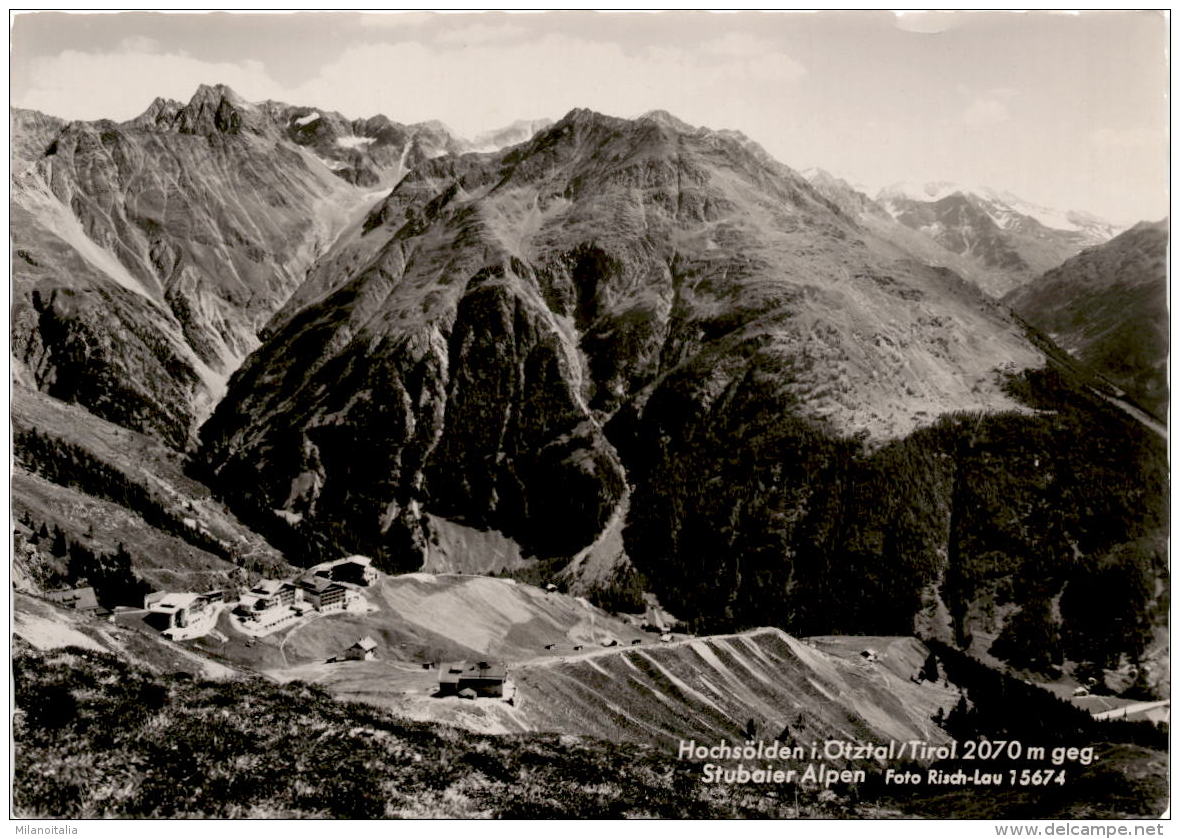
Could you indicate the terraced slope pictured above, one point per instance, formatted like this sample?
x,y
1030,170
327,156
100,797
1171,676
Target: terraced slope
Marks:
x,y
705,688
267,751
708,688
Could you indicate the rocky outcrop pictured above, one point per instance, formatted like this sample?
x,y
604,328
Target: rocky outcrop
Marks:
x,y
32,132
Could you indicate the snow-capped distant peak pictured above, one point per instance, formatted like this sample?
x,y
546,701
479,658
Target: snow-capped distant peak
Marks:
x,y
1005,209
666,119
1050,217
822,178
819,175
509,135
932,191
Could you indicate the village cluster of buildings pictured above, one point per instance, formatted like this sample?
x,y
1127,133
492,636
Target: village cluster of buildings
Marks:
x,y
327,587
268,605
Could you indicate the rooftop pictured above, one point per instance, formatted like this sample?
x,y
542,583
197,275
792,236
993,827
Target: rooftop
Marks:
x,y
318,584
455,671
174,602
78,598
267,586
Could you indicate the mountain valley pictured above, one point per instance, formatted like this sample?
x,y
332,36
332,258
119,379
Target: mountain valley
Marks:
x,y
1108,307
557,380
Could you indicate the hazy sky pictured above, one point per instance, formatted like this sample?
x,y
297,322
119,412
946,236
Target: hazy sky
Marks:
x,y
1067,110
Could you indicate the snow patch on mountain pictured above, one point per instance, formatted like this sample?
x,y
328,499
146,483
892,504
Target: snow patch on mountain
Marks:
x,y
510,135
1003,207
822,177
352,141
932,191
1071,220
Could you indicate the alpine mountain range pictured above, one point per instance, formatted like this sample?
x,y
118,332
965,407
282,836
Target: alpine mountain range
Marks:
x,y
640,361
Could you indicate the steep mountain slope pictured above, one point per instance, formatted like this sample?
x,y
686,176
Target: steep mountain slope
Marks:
x,y
108,489
502,320
148,254
1108,306
641,343
628,354
1010,239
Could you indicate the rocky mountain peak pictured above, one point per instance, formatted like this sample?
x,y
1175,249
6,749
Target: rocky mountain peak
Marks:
x,y
584,118
435,126
215,93
1160,226
162,113
667,120
32,132
218,109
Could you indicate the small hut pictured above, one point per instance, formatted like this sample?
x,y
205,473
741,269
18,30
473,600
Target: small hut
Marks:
x,y
363,650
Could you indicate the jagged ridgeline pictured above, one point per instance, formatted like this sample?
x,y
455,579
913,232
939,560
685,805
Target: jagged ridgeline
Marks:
x,y
149,254
618,351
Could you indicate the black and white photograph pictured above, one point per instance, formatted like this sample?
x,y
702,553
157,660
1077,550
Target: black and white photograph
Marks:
x,y
589,415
